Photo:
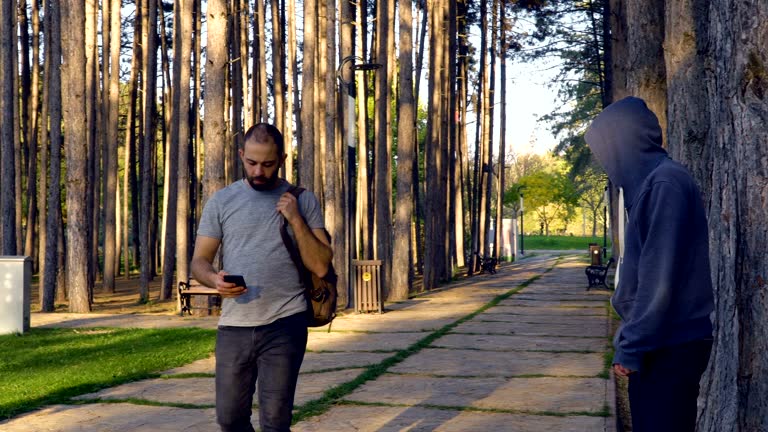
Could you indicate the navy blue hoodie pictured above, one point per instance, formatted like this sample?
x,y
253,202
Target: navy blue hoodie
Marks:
x,y
664,294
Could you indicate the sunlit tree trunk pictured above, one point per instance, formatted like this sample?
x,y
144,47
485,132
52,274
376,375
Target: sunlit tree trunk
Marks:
x,y
215,128
74,116
32,242
42,192
292,87
29,110
306,171
402,271
383,172
149,37
94,132
111,104
236,80
181,68
363,225
196,201
502,18
129,176
278,69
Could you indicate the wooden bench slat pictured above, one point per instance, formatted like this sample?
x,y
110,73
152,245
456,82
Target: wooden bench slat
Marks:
x,y
190,288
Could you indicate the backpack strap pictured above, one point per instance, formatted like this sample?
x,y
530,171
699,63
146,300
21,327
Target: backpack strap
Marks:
x,y
288,242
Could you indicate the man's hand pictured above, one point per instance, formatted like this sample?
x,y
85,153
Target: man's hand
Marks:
x,y
288,206
621,370
228,289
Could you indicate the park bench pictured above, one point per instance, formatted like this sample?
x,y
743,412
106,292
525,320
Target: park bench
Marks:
x,y
194,288
596,274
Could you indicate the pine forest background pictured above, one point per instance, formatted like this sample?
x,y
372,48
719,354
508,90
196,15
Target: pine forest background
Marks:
x,y
119,118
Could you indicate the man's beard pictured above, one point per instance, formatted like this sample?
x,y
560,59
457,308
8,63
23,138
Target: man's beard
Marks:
x,y
265,183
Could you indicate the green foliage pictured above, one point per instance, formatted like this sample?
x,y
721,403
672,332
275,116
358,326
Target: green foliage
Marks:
x,y
562,242
48,366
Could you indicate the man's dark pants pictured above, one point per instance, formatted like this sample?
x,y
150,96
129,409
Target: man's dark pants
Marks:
x,y
662,396
276,351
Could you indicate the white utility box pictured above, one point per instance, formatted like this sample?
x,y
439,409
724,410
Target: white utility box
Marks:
x,y
15,278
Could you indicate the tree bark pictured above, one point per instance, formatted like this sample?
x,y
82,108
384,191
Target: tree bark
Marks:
x,y
43,171
402,271
646,74
74,117
94,132
734,391
181,105
291,88
7,127
149,39
129,176
215,128
306,171
502,131
111,101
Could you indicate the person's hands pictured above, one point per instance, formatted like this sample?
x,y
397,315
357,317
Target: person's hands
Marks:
x,y
288,206
228,289
621,370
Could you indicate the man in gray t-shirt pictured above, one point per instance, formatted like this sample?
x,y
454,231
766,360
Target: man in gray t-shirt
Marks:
x,y
262,329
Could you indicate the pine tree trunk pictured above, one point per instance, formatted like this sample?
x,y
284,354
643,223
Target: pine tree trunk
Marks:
x,y
278,70
734,393
94,133
306,171
149,38
181,106
74,116
7,127
196,201
129,175
19,159
111,103
646,73
619,51
31,245
215,127
402,271
292,87
42,200
383,173
497,252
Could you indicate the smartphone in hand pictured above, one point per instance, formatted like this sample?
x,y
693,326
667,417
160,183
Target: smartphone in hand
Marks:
x,y
235,279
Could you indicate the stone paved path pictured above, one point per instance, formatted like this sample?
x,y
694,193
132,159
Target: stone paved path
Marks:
x,y
530,361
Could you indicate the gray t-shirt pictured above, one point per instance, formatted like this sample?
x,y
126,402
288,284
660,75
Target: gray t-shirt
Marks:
x,y
248,225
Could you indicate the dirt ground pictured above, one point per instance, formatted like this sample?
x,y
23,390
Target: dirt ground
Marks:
x,y
125,299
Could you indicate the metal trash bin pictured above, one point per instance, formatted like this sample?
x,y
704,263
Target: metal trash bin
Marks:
x,y
368,296
596,254
15,277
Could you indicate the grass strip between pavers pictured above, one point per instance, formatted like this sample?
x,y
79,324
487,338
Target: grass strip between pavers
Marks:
x,y
136,401
605,412
334,395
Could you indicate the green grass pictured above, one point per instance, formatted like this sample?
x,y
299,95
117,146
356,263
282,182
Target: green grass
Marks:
x,y
561,242
49,366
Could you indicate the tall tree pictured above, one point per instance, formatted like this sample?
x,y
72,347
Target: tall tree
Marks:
x,y
32,139
111,104
181,76
402,271
74,117
734,394
306,171
149,72
215,128
383,173
7,96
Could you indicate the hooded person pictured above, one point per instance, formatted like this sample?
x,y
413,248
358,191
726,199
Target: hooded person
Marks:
x,y
664,291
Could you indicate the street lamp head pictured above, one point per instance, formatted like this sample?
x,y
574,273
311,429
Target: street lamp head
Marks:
x,y
367,66
350,85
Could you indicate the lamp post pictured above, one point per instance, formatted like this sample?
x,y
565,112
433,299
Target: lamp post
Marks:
x,y
522,226
347,105
605,222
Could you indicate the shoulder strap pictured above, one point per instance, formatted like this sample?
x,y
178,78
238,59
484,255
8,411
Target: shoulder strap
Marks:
x,y
287,241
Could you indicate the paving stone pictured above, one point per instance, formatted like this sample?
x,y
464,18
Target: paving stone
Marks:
x,y
543,296
195,391
418,419
543,319
201,391
115,418
562,395
512,301
519,343
321,361
312,362
444,362
165,320
352,341
546,310
599,329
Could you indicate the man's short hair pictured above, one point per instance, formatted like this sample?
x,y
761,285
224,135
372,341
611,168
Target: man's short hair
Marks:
x,y
263,133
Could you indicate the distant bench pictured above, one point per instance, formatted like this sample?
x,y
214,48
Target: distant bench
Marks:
x,y
596,275
194,288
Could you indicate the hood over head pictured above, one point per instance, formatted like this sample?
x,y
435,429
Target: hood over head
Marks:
x,y
626,140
